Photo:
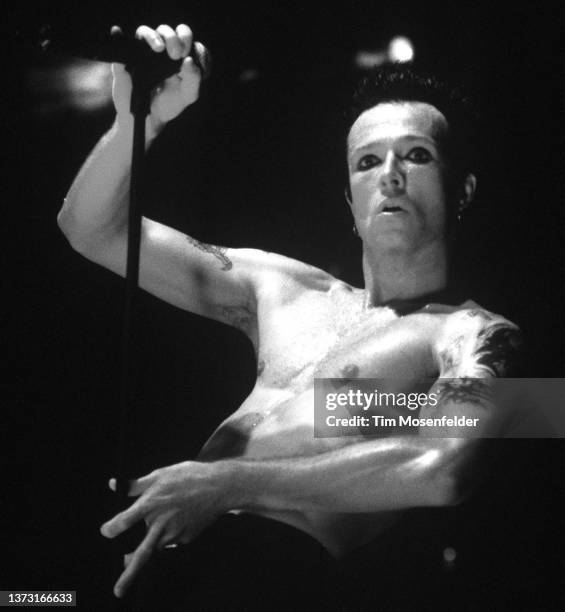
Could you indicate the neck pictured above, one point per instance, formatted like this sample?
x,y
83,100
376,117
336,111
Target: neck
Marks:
x,y
402,275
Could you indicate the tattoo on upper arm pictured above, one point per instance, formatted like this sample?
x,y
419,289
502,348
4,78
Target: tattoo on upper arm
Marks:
x,y
498,348
218,251
491,343
465,390
451,356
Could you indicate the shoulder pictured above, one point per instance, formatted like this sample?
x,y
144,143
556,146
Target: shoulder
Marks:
x,y
271,271
472,318
483,342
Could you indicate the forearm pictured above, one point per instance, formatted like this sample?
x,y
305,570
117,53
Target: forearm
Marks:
x,y
372,476
96,205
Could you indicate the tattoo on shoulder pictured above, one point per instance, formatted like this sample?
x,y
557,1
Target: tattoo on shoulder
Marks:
x,y
492,343
219,252
450,357
499,348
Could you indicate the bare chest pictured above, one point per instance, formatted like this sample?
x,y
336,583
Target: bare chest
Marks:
x,y
319,336
334,336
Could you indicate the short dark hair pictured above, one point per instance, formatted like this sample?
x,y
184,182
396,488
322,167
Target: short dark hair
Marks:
x,y
402,83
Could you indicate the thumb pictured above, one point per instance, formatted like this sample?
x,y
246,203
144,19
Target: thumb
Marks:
x,y
116,32
118,69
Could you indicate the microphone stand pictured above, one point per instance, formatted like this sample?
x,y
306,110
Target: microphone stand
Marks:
x,y
145,75
147,70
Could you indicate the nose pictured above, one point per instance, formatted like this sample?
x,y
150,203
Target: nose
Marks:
x,y
391,181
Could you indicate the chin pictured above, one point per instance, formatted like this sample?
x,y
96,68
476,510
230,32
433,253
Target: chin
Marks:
x,y
399,233
396,240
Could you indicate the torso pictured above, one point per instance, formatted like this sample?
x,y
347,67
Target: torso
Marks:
x,y
320,331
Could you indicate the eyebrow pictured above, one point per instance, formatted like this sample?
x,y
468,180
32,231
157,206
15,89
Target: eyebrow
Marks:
x,y
406,138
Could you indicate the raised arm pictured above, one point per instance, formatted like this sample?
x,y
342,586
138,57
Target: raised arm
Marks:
x,y
209,280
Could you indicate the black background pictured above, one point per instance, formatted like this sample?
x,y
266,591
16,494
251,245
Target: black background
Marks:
x,y
259,163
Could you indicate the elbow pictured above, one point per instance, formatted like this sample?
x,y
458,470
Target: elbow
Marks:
x,y
448,491
83,240
69,230
441,491
62,220
456,474
452,487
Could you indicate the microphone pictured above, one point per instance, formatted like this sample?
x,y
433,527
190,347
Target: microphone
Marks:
x,y
116,47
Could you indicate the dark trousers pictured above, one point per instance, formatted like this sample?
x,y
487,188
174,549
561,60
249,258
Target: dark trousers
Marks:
x,y
242,562
246,562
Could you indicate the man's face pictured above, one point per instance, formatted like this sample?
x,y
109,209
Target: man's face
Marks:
x,y
397,174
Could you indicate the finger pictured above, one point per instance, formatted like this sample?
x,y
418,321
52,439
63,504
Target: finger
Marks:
x,y
113,485
172,42
136,486
189,68
184,34
118,69
190,79
116,32
203,58
151,37
138,559
124,520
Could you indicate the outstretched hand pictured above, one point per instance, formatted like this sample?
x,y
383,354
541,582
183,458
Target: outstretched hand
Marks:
x,y
176,502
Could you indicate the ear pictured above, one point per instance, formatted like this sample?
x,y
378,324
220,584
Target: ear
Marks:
x,y
469,188
348,197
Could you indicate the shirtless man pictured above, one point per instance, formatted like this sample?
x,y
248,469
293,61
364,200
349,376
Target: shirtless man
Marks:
x,y
306,324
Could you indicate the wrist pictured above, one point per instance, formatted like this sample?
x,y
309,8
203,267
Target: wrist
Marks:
x,y
244,484
260,485
236,482
123,129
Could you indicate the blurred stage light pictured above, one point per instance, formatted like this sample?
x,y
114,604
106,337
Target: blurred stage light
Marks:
x,y
78,84
400,49
369,59
88,84
449,558
248,75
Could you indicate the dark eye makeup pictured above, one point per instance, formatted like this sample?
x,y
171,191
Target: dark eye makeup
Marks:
x,y
417,155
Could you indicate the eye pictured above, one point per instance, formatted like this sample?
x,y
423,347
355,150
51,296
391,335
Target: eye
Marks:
x,y
419,155
368,161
